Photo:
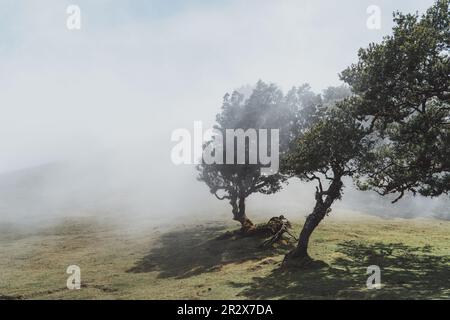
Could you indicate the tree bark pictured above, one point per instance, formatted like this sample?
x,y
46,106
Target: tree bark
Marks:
x,y
238,205
321,209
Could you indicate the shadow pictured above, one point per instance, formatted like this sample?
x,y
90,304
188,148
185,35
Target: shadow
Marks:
x,y
188,252
406,273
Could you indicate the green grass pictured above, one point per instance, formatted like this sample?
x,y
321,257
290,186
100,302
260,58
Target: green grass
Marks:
x,y
188,262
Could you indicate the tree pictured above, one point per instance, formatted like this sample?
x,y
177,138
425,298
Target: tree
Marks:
x,y
264,109
402,90
328,149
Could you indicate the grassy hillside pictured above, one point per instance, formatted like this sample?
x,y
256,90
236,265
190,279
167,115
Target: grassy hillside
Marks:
x,y
188,262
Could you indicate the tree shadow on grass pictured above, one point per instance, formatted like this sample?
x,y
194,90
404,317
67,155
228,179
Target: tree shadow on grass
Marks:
x,y
406,273
188,252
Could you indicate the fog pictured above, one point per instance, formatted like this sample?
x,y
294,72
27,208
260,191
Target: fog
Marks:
x,y
87,115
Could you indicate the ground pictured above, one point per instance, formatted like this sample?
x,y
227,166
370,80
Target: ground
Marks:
x,y
189,262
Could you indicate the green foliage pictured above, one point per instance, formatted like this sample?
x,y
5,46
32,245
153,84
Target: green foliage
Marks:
x,y
264,109
330,144
334,143
402,90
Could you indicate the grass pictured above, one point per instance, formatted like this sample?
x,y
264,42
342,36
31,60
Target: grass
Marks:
x,y
188,262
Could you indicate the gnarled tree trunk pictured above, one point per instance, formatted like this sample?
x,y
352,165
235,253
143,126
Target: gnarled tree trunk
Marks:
x,y
238,205
321,209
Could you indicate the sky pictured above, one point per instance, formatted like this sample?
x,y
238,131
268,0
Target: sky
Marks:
x,y
116,89
136,71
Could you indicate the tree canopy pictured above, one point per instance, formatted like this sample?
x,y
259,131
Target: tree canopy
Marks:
x,y
330,147
402,90
265,108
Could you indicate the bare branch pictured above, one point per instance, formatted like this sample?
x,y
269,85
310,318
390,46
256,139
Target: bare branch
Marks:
x,y
399,197
221,198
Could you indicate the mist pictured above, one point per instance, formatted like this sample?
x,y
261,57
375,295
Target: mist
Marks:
x,y
87,115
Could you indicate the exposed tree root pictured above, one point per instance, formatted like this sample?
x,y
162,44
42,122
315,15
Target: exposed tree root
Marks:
x,y
276,228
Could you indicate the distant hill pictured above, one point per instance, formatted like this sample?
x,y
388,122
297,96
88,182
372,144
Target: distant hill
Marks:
x,y
64,189
53,189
